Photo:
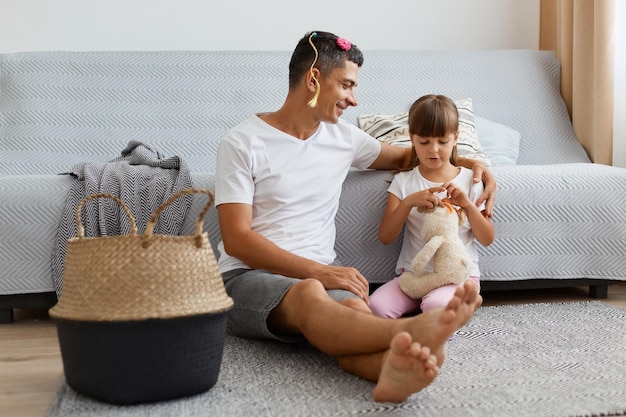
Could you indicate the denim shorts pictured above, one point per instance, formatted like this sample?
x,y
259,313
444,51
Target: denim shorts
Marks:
x,y
256,293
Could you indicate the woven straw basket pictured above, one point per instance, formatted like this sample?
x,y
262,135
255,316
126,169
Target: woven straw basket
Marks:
x,y
141,318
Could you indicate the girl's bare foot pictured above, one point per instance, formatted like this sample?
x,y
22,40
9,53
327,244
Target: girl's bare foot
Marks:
x,y
408,367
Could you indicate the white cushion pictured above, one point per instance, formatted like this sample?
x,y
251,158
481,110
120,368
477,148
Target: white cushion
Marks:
x,y
500,142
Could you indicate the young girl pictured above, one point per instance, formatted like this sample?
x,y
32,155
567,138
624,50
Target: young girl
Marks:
x,y
431,179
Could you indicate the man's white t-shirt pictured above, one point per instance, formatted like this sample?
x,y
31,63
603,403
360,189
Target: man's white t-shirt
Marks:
x,y
293,185
409,182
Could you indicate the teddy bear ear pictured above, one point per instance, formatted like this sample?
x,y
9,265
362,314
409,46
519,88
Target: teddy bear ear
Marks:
x,y
462,215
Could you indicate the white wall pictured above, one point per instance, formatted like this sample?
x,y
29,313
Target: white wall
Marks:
x,y
79,25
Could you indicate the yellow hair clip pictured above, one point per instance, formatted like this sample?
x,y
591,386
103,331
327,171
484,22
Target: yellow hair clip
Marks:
x,y
313,101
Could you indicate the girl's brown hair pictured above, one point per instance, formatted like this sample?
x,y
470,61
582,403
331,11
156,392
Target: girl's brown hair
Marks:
x,y
432,116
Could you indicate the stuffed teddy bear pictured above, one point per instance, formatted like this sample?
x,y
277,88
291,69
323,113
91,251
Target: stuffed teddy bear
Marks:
x,y
451,262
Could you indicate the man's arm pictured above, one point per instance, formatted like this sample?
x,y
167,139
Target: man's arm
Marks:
x,y
258,252
253,249
392,157
481,173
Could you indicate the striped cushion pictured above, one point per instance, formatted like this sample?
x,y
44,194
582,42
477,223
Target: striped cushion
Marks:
x,y
394,130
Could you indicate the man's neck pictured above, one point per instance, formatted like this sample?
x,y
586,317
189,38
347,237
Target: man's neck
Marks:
x,y
297,124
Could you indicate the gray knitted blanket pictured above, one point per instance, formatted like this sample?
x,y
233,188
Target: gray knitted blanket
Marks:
x,y
142,178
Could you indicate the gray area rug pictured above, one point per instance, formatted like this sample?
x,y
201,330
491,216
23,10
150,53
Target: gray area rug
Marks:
x,y
566,359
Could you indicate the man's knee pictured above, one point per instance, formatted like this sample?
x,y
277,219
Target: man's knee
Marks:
x,y
309,293
289,316
306,291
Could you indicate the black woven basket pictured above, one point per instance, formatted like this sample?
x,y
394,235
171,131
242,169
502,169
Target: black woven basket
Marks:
x,y
141,318
130,362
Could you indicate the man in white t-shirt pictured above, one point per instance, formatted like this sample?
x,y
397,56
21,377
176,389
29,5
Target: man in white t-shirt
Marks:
x,y
278,181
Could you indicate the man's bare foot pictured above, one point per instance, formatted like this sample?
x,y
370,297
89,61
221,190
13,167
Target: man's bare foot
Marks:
x,y
461,308
407,368
433,328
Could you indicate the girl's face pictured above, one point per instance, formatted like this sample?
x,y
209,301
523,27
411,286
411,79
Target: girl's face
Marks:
x,y
434,153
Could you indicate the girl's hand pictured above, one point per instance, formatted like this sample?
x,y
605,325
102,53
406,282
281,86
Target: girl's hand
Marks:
x,y
456,195
425,198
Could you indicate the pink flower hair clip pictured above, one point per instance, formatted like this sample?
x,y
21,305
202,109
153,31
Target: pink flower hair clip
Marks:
x,y
344,44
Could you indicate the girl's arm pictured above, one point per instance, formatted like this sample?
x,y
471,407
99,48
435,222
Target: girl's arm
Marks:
x,y
393,219
482,227
394,157
398,210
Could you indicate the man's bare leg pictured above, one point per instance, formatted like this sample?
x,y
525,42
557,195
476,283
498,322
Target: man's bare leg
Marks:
x,y
404,369
400,375
397,373
407,368
456,314
339,330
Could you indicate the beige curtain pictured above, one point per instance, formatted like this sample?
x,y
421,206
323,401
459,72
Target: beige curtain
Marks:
x,y
582,32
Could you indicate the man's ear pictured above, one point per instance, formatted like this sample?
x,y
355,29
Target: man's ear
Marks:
x,y
312,77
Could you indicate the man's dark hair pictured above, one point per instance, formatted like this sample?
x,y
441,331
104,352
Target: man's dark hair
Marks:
x,y
331,55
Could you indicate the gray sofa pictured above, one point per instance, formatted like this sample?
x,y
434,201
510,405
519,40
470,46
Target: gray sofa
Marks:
x,y
560,220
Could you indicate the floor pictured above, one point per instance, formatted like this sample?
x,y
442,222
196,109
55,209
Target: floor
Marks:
x,y
31,368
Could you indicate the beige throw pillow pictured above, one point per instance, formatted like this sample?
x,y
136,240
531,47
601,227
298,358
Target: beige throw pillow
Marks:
x,y
393,129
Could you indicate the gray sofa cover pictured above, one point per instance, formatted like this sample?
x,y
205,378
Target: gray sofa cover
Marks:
x,y
559,219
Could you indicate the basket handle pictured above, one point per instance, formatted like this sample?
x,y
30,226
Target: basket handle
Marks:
x,y
199,223
81,203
